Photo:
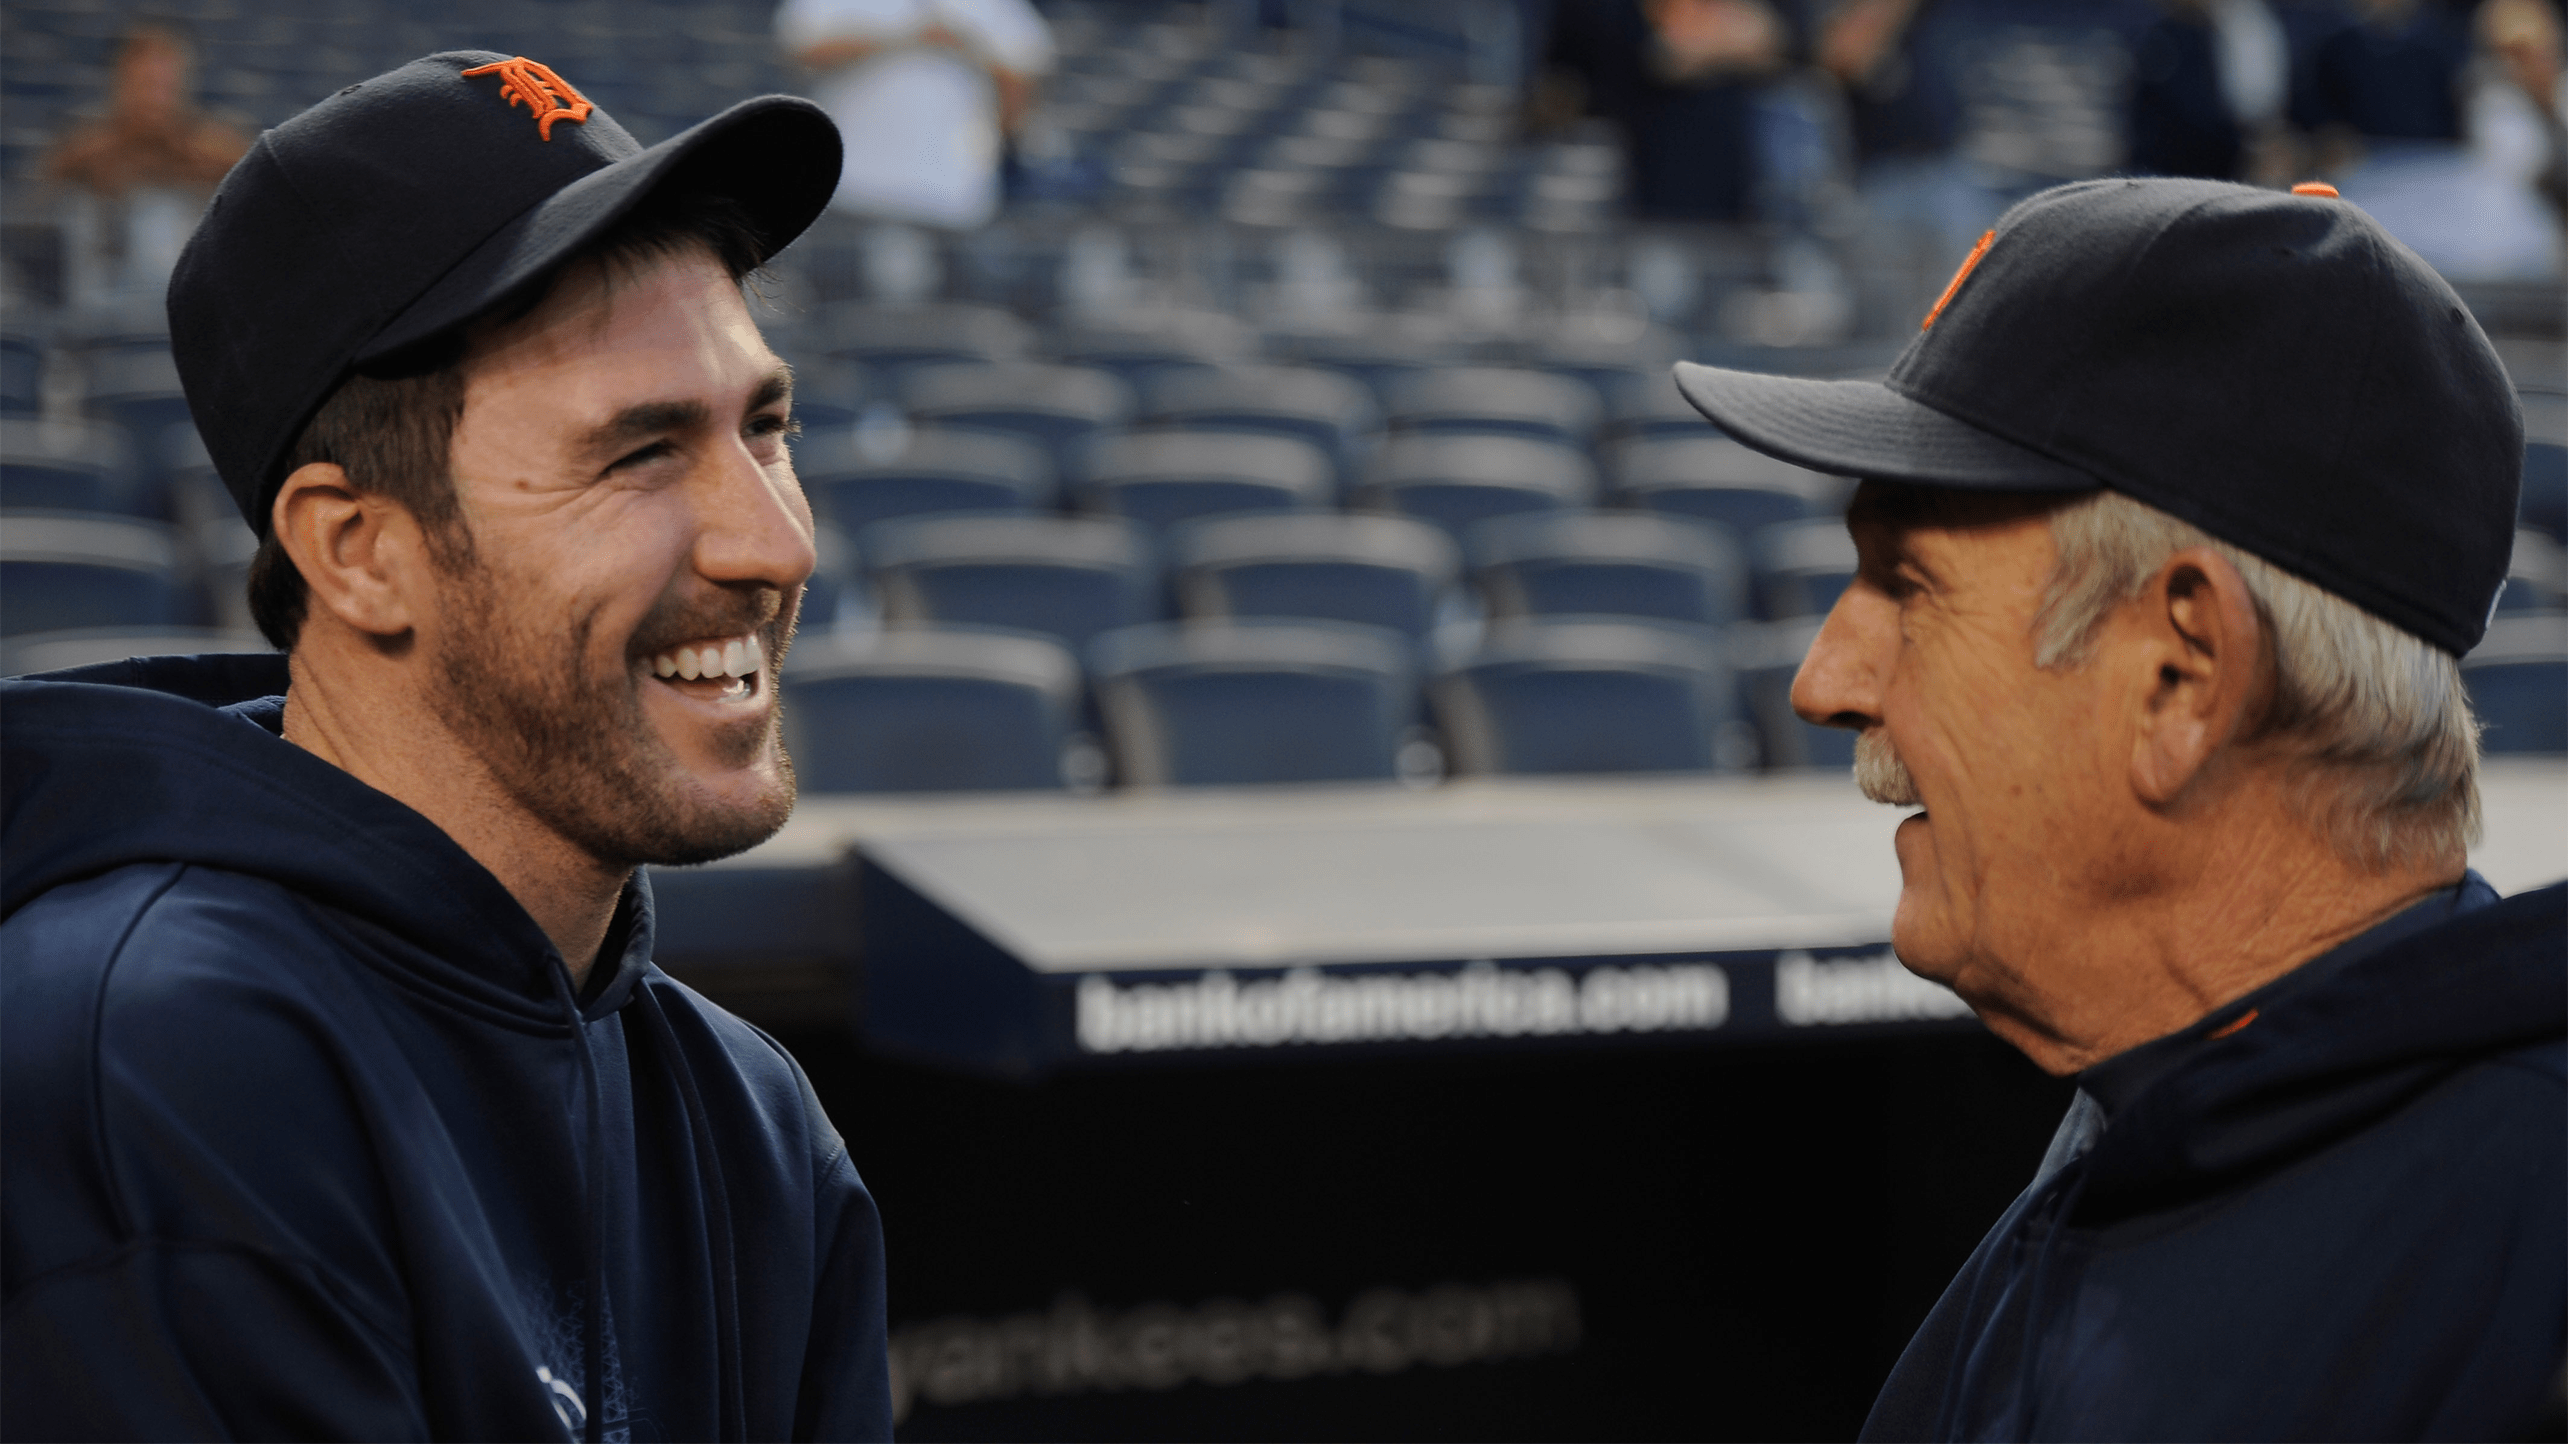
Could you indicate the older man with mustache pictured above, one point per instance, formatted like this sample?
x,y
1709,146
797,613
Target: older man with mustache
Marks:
x,y
2174,522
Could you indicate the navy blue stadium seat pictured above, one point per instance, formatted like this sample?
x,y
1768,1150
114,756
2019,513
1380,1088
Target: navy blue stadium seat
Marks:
x,y
1166,343
892,340
1613,355
855,480
1231,703
1161,478
1629,564
2544,505
1802,566
22,656
1495,400
1380,360
1766,657
2536,575
2518,681
1653,407
829,394
1382,571
1717,479
925,709
138,391
1326,408
1580,694
61,570
22,375
65,466
1056,407
1454,481
1066,577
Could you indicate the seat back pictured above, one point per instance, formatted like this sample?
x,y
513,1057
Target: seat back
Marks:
x,y
1555,695
1323,407
1455,481
931,471
1609,564
1066,577
138,391
2536,575
1716,479
22,375
929,709
1802,566
1766,656
1166,343
60,571
1161,478
1056,407
65,466
2518,682
1381,571
1495,400
36,652
891,340
1232,703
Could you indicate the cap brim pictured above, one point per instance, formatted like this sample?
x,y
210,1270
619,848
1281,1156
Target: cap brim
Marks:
x,y
777,156
1866,429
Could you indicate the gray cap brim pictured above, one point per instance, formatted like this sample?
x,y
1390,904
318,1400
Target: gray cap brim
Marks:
x,y
1866,429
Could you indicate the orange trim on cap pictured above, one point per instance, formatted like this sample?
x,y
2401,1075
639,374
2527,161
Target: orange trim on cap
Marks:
x,y
546,96
1969,263
2315,188
2233,1025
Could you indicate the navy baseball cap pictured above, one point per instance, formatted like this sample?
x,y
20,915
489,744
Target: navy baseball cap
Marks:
x,y
2274,368
407,205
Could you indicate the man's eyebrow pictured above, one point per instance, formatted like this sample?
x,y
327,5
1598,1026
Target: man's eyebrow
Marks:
x,y
778,385
638,423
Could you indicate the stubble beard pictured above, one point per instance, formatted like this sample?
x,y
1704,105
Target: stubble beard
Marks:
x,y
570,742
1879,772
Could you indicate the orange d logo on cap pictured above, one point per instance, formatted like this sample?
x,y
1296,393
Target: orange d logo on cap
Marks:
x,y
546,96
1953,287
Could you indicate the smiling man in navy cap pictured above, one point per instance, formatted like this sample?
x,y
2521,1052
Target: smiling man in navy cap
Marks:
x,y
2173,524
342,1097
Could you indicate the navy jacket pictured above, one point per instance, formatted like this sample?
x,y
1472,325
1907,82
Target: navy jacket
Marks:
x,y
2334,1209
305,1134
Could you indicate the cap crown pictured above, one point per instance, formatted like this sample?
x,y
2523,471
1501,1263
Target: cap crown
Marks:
x,y
2275,369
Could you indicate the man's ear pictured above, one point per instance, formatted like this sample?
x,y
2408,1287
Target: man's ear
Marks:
x,y
2198,633
360,555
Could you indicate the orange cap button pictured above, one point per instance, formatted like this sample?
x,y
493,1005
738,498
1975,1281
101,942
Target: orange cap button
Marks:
x,y
2314,188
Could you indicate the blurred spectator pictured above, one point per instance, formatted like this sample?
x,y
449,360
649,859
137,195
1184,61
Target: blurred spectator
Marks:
x,y
2393,74
2523,45
133,182
924,93
2208,90
1676,77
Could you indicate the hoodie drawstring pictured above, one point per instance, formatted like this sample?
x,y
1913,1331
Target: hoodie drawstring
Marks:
x,y
593,1310
717,1205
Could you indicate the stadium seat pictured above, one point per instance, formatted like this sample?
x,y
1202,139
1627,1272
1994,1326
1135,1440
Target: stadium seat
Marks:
x,y
1326,408
1382,571
22,375
1379,359
889,341
61,570
1613,355
1495,400
2518,681
926,709
1454,481
1580,694
2536,575
1055,407
1066,577
86,646
64,466
829,394
1161,478
1228,703
1169,343
1717,479
1654,408
138,391
928,471
1802,566
2544,506
1766,656
1628,564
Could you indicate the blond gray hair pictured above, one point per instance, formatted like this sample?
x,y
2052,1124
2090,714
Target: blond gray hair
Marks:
x,y
2371,720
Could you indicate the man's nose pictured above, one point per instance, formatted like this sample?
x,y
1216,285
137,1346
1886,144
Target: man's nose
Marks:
x,y
1839,684
755,527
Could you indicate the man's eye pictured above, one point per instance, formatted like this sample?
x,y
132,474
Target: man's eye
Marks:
x,y
652,452
774,426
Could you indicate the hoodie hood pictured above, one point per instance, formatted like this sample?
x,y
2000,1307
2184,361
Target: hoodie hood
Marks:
x,y
2326,1049
182,759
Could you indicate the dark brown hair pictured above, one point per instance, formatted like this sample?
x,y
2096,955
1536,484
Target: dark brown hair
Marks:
x,y
390,427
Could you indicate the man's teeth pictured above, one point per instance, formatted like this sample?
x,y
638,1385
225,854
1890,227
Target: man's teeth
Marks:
x,y
739,657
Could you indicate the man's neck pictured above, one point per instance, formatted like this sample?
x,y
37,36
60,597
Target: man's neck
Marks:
x,y
2256,904
403,750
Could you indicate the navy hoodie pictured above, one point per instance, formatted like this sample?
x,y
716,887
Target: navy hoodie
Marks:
x,y
306,1134
2336,1208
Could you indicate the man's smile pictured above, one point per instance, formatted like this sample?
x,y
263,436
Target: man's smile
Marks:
x,y
715,669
